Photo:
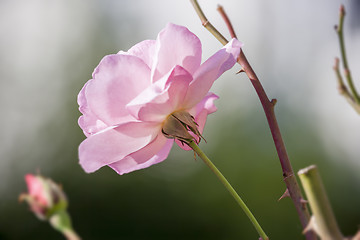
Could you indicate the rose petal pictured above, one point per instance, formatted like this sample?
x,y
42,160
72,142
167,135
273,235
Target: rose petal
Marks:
x,y
161,98
207,103
210,70
201,111
37,189
144,50
113,144
155,152
89,122
116,81
176,45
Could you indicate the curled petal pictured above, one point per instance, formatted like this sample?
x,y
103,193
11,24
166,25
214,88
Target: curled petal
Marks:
x,y
162,97
210,70
116,81
113,144
176,45
207,103
89,122
155,152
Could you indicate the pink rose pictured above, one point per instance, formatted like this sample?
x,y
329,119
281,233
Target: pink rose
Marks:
x,y
132,93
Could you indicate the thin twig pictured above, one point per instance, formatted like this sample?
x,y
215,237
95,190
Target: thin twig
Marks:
x,y
207,24
227,21
340,31
343,89
268,106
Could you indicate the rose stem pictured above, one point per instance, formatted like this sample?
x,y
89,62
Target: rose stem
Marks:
x,y
268,106
61,221
326,224
228,186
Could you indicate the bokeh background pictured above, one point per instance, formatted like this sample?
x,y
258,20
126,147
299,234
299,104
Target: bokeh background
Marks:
x,y
49,50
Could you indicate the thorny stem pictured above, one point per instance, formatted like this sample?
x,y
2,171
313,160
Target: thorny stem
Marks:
x,y
231,190
268,106
347,73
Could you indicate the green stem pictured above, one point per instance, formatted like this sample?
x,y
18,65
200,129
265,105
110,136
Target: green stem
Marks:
x,y
228,186
326,225
61,221
207,24
343,89
348,76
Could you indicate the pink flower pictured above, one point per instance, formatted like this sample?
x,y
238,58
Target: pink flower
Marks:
x,y
36,189
44,196
132,93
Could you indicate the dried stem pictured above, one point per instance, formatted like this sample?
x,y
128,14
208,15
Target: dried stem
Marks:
x,y
268,106
340,32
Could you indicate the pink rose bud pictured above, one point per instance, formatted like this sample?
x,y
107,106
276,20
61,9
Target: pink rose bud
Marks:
x,y
48,201
44,196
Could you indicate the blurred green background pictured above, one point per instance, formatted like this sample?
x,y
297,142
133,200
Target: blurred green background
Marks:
x,y
49,50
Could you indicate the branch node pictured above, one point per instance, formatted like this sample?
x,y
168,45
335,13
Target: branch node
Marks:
x,y
205,23
273,102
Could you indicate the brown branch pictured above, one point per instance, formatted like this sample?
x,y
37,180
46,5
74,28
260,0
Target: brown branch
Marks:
x,y
227,21
268,106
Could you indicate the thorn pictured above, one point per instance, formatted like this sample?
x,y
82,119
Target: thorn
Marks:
x,y
273,101
286,194
241,70
194,155
303,202
311,226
